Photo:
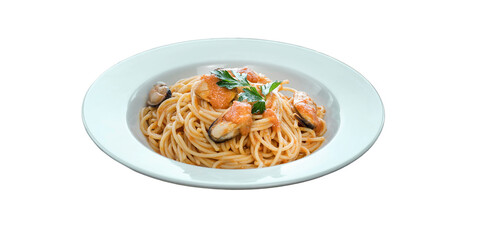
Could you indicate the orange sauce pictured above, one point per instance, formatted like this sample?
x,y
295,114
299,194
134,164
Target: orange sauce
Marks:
x,y
240,113
311,112
219,97
270,114
319,128
307,108
252,76
271,111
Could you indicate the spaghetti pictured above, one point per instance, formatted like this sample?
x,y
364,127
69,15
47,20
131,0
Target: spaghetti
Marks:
x,y
179,129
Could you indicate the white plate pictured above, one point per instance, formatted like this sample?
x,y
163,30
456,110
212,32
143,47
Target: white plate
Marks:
x,y
355,114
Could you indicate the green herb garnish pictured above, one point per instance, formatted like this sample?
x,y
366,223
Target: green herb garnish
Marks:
x,y
229,82
250,93
258,107
269,87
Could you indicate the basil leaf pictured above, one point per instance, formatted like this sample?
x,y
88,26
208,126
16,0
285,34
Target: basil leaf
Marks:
x,y
223,75
258,107
269,87
241,77
228,84
250,94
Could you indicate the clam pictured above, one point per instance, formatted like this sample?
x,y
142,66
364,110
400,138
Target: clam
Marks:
x,y
237,120
158,94
305,110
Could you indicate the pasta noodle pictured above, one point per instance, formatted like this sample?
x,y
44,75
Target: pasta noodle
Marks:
x,y
178,129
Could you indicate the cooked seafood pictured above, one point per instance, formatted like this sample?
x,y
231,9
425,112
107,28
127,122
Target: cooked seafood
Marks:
x,y
236,120
208,90
158,94
306,111
252,76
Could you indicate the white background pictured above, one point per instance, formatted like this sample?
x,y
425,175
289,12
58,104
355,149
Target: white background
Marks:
x,y
417,182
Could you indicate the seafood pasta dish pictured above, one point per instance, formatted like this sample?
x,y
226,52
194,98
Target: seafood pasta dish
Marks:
x,y
232,118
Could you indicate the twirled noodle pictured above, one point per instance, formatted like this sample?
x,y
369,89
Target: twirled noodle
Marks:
x,y
177,129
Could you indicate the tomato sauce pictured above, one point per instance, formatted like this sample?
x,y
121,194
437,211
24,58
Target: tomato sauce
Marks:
x,y
272,107
272,116
307,109
218,97
240,113
252,76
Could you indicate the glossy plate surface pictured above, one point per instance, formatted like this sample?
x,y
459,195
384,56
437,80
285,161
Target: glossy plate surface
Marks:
x,y
355,114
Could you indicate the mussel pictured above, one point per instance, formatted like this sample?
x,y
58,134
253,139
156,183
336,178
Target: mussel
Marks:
x,y
305,110
237,120
159,92
208,90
